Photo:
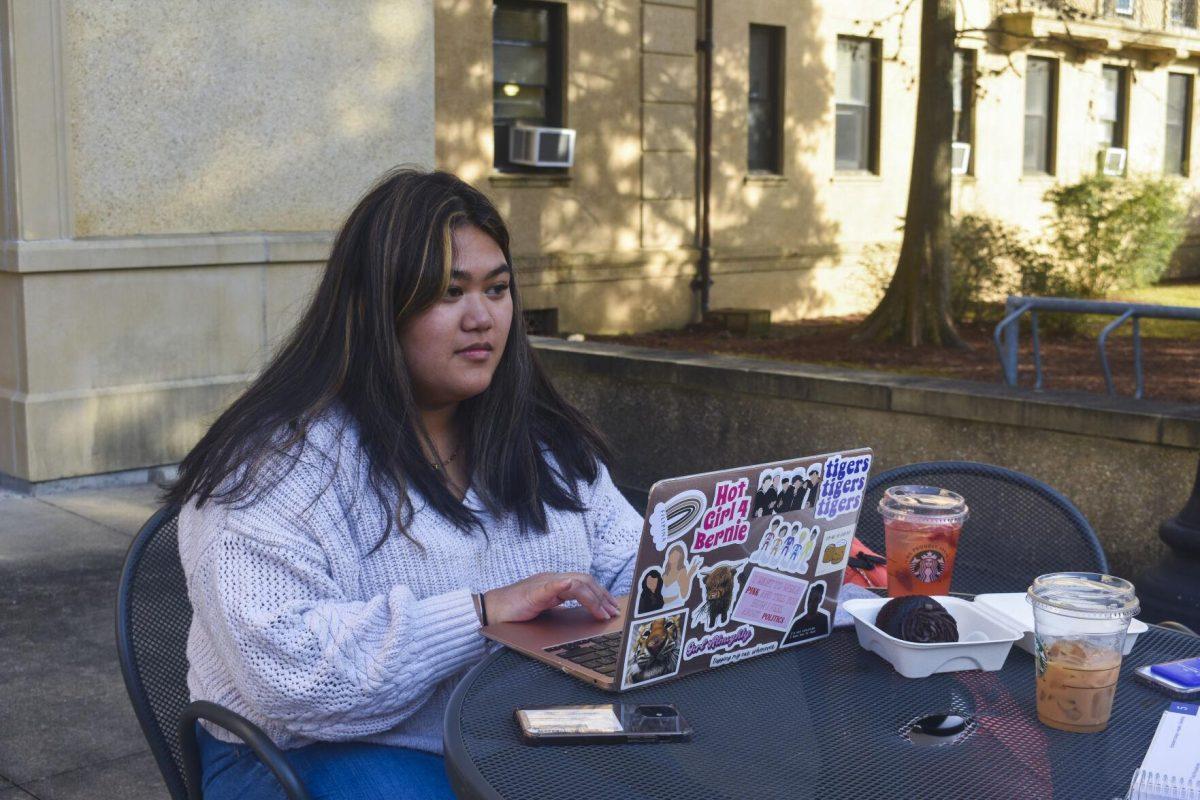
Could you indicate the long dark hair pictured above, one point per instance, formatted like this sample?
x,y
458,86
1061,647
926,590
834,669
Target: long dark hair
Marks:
x,y
390,261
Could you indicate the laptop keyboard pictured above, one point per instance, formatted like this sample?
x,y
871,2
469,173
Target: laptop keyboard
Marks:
x,y
598,653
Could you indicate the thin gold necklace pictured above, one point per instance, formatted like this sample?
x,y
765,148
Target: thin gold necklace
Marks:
x,y
436,466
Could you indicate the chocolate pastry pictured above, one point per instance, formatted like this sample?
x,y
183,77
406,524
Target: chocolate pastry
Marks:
x,y
917,619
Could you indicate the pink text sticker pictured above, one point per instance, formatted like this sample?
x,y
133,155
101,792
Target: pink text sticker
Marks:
x,y
769,599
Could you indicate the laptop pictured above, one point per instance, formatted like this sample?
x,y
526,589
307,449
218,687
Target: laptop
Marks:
x,y
732,564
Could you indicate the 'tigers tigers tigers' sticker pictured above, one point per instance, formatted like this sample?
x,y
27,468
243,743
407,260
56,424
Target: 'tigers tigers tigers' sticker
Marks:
x,y
674,518
655,646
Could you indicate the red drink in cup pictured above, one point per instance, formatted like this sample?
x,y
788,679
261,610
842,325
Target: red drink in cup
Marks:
x,y
921,525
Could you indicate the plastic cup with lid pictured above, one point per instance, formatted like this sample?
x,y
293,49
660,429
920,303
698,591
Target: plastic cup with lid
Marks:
x,y
1079,623
921,526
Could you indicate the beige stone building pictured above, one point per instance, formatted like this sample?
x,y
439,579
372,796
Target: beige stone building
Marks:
x,y
172,171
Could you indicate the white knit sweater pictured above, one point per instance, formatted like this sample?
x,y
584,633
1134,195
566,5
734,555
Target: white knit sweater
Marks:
x,y
303,632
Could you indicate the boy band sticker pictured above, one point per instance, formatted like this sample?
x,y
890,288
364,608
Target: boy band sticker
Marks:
x,y
693,606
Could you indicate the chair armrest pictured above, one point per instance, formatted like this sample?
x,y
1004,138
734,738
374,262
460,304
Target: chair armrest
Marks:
x,y
244,729
1176,626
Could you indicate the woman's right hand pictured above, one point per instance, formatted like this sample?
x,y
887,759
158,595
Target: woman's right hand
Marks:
x,y
527,598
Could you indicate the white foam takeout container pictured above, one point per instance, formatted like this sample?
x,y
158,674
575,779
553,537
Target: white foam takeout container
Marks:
x,y
1016,609
984,639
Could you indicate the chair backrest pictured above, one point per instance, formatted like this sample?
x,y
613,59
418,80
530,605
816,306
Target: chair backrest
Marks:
x,y
153,617
1018,527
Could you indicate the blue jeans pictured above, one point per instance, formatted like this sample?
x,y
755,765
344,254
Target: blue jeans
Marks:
x,y
329,770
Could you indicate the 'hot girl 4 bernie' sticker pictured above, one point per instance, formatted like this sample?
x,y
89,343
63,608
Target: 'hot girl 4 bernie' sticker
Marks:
x,y
727,522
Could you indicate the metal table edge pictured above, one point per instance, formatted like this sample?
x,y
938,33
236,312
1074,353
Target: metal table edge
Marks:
x,y
465,778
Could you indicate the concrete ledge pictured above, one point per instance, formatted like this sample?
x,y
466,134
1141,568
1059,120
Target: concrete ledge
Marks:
x,y
141,252
1126,419
1126,464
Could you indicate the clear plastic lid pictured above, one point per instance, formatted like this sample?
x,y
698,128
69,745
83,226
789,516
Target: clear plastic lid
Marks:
x,y
925,504
1085,595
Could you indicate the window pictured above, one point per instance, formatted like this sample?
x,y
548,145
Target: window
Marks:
x,y
964,97
857,126
1113,106
1179,124
1123,7
764,140
527,64
1040,111
1183,13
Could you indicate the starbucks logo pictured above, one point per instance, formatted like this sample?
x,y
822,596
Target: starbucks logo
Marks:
x,y
927,566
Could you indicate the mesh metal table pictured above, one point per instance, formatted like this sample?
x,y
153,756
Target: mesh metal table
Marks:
x,y
826,720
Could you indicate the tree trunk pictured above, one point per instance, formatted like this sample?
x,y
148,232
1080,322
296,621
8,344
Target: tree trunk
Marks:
x,y
915,310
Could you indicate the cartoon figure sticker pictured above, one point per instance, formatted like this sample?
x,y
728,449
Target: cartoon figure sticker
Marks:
x,y
835,550
786,546
719,584
669,586
655,646
769,599
782,492
673,519
814,622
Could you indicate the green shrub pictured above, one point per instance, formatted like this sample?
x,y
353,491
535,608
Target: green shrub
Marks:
x,y
1112,233
992,259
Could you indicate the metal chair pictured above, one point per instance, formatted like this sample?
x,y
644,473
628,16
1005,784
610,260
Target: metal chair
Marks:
x,y
153,617
1018,527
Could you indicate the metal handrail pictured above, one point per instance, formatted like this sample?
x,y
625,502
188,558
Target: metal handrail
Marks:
x,y
1008,331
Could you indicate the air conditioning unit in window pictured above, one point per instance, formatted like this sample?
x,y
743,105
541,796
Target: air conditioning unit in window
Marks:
x,y
1113,161
960,158
534,146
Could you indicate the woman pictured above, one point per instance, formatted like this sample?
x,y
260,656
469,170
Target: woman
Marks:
x,y
650,597
677,576
401,471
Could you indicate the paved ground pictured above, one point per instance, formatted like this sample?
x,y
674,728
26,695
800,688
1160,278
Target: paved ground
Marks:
x,y
66,727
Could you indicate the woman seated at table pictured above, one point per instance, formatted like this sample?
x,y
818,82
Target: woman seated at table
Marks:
x,y
401,470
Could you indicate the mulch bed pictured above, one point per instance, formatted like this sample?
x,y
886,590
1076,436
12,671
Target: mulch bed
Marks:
x,y
1069,362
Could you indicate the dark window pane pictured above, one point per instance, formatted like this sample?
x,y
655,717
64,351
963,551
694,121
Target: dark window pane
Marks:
x,y
1179,91
964,95
510,101
764,111
1112,108
521,24
527,66
519,64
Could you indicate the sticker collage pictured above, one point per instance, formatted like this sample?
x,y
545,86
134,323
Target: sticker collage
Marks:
x,y
739,569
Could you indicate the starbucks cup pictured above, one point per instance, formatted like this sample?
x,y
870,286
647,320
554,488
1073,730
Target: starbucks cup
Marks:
x,y
921,525
1079,624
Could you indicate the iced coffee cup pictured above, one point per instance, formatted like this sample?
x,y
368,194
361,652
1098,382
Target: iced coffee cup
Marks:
x,y
921,525
1079,620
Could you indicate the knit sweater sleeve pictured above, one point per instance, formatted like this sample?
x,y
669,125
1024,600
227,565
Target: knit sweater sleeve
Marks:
x,y
615,529
310,660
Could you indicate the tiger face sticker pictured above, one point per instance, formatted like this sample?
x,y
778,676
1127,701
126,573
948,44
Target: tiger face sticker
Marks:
x,y
655,647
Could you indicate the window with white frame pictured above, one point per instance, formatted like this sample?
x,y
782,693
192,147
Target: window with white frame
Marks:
x,y
1113,106
857,93
1040,112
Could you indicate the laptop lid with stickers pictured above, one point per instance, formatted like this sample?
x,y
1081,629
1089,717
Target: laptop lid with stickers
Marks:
x,y
739,563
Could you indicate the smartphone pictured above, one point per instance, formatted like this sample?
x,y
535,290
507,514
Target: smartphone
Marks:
x,y
1180,679
600,724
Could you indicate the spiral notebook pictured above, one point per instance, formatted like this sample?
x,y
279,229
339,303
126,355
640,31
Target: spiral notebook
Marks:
x,y
1171,768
